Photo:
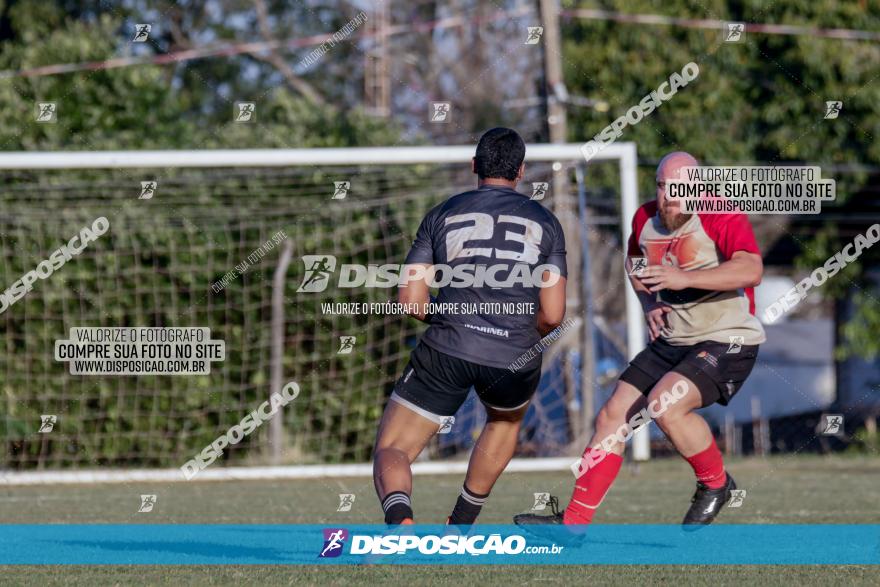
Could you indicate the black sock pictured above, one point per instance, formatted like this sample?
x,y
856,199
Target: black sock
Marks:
x,y
397,507
467,508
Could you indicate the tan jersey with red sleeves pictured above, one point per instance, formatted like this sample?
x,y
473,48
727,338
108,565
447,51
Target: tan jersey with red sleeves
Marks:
x,y
705,241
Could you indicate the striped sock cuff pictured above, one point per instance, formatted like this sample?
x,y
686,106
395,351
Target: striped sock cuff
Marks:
x,y
473,498
394,498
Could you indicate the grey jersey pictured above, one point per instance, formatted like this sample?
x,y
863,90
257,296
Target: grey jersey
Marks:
x,y
495,240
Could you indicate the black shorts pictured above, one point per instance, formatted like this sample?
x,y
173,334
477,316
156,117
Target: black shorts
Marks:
x,y
435,384
717,369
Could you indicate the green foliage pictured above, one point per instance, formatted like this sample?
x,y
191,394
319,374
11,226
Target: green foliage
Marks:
x,y
860,332
151,106
864,442
157,264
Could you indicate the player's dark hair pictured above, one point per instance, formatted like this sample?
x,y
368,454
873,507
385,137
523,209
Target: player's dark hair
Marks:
x,y
500,153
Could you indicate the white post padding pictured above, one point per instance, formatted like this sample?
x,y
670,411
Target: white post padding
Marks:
x,y
635,325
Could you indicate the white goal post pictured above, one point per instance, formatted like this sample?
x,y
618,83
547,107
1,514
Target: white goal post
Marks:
x,y
624,154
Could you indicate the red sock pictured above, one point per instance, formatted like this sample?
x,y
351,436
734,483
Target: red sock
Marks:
x,y
590,488
709,467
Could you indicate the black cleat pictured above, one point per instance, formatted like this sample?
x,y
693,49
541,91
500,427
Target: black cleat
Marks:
x,y
534,523
706,503
553,519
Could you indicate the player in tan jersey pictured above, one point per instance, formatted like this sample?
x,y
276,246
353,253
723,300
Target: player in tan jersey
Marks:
x,y
694,276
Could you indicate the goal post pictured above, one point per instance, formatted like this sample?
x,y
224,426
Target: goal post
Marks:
x,y
165,256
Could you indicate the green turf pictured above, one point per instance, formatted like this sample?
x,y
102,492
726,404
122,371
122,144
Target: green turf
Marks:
x,y
793,490
457,576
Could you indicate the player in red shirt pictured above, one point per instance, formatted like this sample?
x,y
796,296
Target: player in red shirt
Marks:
x,y
694,275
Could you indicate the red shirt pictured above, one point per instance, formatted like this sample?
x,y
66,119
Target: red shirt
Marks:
x,y
703,242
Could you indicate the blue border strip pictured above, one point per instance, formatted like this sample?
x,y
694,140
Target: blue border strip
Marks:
x,y
205,544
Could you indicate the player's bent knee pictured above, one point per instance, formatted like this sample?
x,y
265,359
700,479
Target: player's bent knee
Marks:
x,y
672,398
606,435
390,454
664,421
668,417
603,420
608,420
514,416
387,451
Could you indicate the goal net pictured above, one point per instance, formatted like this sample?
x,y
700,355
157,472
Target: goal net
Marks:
x,y
223,240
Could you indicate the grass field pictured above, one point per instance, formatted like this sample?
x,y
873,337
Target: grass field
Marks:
x,y
781,490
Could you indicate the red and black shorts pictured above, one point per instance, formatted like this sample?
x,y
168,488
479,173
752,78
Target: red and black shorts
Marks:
x,y
717,369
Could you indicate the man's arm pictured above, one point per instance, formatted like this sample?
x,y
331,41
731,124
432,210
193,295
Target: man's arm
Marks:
x,y
646,298
414,292
741,270
552,299
654,310
552,305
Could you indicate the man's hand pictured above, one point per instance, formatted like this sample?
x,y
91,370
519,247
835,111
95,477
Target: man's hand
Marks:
x,y
657,277
656,320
